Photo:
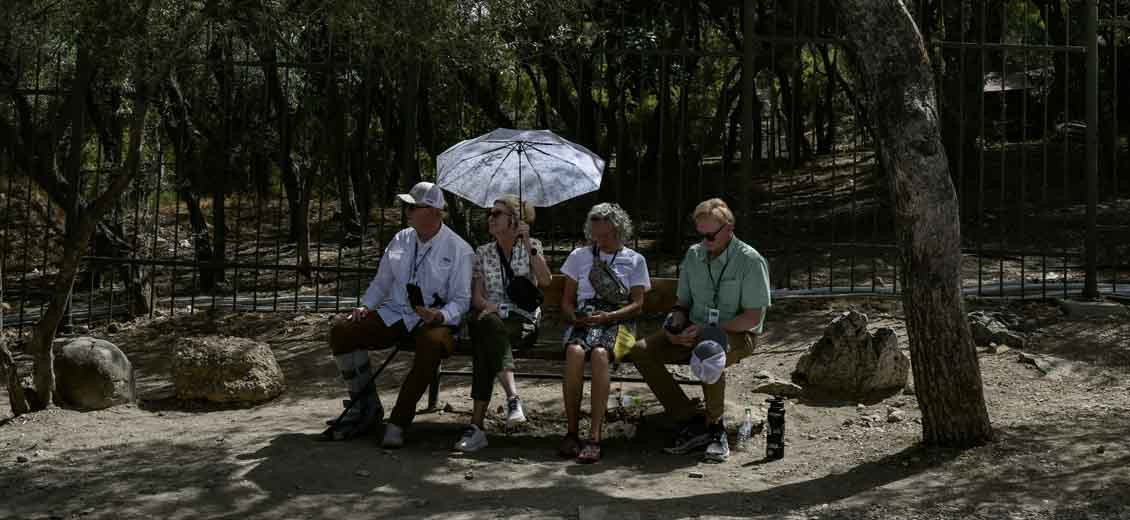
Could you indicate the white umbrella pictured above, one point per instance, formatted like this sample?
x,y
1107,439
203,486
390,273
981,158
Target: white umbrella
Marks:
x,y
537,165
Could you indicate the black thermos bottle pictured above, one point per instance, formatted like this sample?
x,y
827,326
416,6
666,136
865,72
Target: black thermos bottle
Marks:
x,y
775,433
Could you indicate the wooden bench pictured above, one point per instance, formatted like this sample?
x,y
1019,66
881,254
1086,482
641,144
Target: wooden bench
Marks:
x,y
657,302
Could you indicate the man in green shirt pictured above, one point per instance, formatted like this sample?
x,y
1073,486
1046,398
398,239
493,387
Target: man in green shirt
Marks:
x,y
723,284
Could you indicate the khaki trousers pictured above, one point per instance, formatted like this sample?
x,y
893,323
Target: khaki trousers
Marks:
x,y
652,353
432,342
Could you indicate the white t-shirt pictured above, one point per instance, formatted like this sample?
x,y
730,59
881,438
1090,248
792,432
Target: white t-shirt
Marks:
x,y
630,267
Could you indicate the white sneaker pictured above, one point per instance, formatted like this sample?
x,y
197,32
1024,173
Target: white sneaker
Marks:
x,y
514,411
474,439
394,436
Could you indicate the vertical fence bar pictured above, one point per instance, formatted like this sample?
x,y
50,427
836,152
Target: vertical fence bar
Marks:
x,y
1116,150
1090,281
176,226
279,231
156,229
27,207
749,11
980,230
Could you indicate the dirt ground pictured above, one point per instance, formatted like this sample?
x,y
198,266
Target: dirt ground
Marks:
x,y
1061,450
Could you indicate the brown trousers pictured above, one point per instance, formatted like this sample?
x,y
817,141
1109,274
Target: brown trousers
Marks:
x,y
432,343
652,353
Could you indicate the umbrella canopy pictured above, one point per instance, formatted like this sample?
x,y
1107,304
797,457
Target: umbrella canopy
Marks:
x,y
539,166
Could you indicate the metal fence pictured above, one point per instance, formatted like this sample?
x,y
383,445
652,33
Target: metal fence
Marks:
x,y
1029,95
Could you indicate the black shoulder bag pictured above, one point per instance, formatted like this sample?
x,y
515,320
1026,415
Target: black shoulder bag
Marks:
x,y
520,290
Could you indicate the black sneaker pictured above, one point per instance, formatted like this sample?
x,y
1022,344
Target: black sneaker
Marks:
x,y
718,450
691,436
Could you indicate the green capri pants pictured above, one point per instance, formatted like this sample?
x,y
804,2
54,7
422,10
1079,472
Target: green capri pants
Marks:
x,y
493,340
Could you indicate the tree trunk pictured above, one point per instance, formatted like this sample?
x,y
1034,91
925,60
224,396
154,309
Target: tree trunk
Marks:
x,y
826,114
219,237
79,231
898,87
408,112
16,398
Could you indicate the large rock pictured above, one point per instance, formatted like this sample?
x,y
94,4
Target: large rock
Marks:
x,y
91,374
851,362
993,328
225,370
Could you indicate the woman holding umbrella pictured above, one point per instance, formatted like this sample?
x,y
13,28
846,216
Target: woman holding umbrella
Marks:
x,y
604,290
505,309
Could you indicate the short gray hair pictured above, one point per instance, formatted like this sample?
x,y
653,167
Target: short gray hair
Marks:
x,y
614,214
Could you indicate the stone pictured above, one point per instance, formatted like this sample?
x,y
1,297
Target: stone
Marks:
x,y
849,361
998,349
1053,367
22,459
988,328
363,473
225,369
695,474
469,475
767,383
1085,310
92,374
894,416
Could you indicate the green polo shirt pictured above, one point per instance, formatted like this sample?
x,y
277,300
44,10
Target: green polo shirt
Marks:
x,y
740,274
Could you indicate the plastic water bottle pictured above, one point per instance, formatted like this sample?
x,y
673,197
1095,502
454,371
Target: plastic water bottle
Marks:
x,y
745,431
616,399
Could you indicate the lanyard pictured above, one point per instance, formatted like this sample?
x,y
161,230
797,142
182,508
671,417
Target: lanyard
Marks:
x,y
416,264
717,283
596,256
504,266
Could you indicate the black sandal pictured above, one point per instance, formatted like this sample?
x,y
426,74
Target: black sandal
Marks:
x,y
570,446
590,453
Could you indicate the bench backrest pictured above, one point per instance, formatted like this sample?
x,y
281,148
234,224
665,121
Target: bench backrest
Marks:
x,y
658,300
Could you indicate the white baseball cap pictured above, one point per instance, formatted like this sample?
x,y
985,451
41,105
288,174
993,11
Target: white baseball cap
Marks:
x,y
708,360
424,193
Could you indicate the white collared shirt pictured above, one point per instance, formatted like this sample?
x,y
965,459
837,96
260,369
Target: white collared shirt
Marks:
x,y
440,266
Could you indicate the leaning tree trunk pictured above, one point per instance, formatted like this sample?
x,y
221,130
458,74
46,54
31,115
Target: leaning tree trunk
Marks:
x,y
80,229
18,401
898,86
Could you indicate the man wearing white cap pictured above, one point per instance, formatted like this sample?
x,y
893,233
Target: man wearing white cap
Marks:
x,y
722,297
427,256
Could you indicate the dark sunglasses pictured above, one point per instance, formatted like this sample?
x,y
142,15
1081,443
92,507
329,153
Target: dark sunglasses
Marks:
x,y
495,213
418,206
709,237
598,218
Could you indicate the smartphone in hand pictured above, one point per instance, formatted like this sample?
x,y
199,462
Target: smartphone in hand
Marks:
x,y
415,296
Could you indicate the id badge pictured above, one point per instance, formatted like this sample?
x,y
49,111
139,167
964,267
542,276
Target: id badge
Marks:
x,y
503,310
712,317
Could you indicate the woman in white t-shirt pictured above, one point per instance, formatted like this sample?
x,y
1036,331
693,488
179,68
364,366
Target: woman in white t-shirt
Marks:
x,y
605,283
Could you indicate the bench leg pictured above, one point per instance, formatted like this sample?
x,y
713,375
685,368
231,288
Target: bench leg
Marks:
x,y
433,390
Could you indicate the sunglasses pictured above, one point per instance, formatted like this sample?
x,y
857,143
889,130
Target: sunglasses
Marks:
x,y
495,213
709,237
598,218
418,206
